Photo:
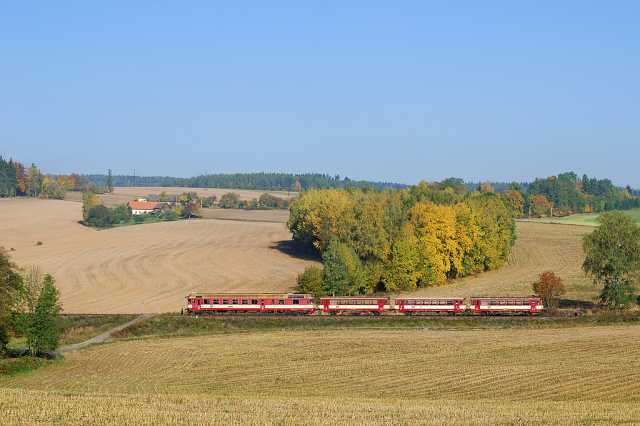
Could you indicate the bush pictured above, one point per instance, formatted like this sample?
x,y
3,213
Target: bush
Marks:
x,y
549,288
310,281
169,215
139,218
100,217
230,200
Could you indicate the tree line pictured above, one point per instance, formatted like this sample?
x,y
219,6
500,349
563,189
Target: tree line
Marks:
x,y
565,194
398,240
16,180
255,181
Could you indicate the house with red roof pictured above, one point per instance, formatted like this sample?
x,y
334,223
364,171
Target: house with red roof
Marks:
x,y
144,207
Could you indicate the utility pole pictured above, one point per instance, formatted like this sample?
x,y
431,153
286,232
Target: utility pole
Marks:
x,y
134,177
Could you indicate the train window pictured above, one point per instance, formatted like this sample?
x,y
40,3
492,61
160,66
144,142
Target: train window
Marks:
x,y
281,301
234,302
254,301
296,301
226,301
205,301
215,301
245,302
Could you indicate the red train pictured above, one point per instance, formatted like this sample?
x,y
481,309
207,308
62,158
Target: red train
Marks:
x,y
292,303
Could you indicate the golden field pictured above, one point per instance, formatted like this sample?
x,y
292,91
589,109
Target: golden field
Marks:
x,y
583,375
144,268
539,247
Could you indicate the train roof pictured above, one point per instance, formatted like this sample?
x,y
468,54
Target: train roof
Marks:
x,y
223,294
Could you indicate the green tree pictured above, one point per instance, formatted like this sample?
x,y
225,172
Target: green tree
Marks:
x,y
100,217
343,272
310,281
10,292
613,257
401,272
230,200
109,182
44,330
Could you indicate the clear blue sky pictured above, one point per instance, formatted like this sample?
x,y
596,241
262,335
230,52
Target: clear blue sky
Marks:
x,y
392,90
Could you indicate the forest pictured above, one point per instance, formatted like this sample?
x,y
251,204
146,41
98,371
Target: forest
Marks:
x,y
16,180
398,240
255,181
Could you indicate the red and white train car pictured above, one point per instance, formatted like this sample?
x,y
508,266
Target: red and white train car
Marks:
x,y
354,304
505,305
449,305
274,303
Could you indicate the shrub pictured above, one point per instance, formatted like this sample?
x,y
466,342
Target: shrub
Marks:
x,y
549,288
139,218
100,217
310,281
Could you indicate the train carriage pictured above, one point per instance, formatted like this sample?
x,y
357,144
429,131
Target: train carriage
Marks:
x,y
236,303
423,305
355,304
506,305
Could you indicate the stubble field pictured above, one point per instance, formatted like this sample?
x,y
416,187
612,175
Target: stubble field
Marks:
x,y
586,375
144,268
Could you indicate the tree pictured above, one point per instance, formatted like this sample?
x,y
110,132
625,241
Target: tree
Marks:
x,y
514,201
343,272
100,217
10,291
33,283
549,288
401,272
230,200
109,182
33,181
44,330
613,257
540,205
89,200
310,281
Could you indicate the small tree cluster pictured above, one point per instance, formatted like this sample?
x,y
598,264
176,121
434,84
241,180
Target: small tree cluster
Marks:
x,y
549,288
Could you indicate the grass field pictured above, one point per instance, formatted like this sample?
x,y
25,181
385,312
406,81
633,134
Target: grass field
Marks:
x,y
585,219
146,268
583,375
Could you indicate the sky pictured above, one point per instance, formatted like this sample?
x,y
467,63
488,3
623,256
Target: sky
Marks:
x,y
395,90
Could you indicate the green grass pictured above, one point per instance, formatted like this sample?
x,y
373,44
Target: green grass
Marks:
x,y
171,325
590,219
13,366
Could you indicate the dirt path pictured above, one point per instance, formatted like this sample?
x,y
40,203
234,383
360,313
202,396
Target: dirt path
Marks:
x,y
102,337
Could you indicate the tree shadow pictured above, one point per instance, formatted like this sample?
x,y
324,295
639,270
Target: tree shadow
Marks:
x,y
577,304
295,249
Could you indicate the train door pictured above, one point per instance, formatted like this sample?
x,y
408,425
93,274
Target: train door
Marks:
x,y
476,304
533,306
456,306
381,303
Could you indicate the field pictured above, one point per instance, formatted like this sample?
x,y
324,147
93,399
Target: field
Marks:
x,y
539,247
585,219
584,375
144,268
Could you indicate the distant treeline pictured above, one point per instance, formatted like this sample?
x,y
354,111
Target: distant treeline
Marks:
x,y
17,181
255,181
565,194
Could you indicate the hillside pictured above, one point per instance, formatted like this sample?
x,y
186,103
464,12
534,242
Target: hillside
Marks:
x,y
145,268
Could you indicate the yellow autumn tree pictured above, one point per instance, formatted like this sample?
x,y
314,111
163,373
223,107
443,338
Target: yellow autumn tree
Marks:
x,y
436,231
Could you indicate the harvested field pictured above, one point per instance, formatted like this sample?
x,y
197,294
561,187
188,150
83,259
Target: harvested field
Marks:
x,y
144,268
548,376
275,216
539,247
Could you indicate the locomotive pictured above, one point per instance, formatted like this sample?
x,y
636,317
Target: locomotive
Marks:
x,y
305,304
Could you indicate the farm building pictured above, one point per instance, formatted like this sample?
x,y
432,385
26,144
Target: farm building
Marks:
x,y
146,207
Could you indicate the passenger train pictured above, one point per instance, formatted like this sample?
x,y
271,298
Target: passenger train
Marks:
x,y
304,304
